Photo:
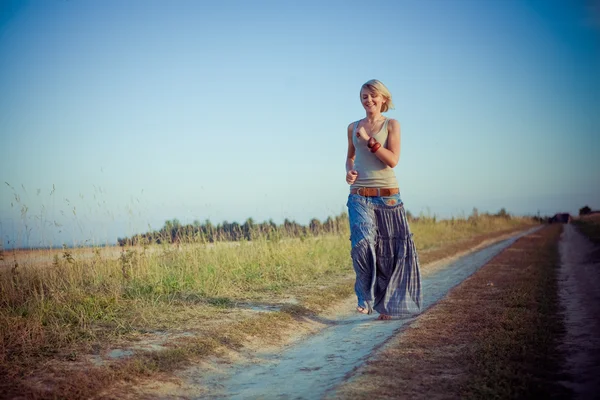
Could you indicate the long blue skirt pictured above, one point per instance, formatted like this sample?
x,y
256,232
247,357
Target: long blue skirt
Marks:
x,y
384,256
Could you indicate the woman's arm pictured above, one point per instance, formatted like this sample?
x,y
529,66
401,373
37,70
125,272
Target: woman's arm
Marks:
x,y
391,154
351,174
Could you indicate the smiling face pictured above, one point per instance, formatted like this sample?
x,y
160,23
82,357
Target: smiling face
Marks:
x,y
372,100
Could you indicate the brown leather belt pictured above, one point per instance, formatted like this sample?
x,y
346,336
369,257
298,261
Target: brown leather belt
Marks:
x,y
372,192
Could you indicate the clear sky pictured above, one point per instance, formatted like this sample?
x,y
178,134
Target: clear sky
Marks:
x,y
118,115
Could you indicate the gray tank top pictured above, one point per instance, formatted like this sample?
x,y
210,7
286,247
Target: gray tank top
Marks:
x,y
372,172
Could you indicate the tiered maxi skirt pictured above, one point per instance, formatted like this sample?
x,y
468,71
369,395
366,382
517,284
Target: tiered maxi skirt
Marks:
x,y
384,256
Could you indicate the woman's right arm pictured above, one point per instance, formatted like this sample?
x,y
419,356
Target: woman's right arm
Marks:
x,y
351,174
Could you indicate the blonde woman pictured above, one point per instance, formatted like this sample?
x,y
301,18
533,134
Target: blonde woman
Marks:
x,y
383,253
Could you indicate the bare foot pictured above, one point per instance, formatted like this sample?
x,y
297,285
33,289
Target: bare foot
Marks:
x,y
384,317
362,310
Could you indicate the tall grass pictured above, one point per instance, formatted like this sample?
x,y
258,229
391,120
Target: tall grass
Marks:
x,y
67,301
77,300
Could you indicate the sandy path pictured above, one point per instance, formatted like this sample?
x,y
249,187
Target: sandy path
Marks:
x,y
312,367
579,290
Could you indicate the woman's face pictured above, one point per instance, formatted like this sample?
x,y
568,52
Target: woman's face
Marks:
x,y
371,100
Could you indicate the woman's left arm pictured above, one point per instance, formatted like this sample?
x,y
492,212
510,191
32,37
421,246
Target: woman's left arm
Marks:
x,y
390,154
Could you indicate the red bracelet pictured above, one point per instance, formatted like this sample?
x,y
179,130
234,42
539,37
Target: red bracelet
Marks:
x,y
371,142
375,147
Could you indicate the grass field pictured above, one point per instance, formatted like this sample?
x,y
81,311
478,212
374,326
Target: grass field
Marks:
x,y
53,316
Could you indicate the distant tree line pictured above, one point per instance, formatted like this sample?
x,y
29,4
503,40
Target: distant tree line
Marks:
x,y
175,232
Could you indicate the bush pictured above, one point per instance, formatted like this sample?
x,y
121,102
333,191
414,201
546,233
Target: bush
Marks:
x,y
585,210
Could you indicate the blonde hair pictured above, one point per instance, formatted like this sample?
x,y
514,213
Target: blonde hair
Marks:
x,y
376,86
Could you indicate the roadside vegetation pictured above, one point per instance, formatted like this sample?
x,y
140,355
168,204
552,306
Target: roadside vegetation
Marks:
x,y
589,225
198,292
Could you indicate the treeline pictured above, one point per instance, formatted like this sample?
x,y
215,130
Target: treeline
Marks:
x,y
175,232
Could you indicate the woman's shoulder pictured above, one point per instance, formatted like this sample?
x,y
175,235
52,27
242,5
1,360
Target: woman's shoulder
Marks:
x,y
393,124
352,125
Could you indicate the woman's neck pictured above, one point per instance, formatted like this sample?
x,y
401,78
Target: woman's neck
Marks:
x,y
373,117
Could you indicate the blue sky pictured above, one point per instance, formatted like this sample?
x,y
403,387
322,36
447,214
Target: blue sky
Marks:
x,y
118,115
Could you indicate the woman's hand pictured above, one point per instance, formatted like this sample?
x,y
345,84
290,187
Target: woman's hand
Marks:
x,y
361,133
351,176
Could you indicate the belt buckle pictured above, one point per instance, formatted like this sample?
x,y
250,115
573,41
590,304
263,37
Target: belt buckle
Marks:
x,y
358,191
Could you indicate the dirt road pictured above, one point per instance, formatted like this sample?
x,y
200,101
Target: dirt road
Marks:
x,y
579,281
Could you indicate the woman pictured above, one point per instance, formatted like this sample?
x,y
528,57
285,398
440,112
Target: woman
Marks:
x,y
383,252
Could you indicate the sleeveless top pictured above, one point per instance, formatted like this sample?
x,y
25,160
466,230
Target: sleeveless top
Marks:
x,y
372,172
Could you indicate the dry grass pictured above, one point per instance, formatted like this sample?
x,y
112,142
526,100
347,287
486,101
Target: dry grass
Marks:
x,y
53,317
589,225
494,336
